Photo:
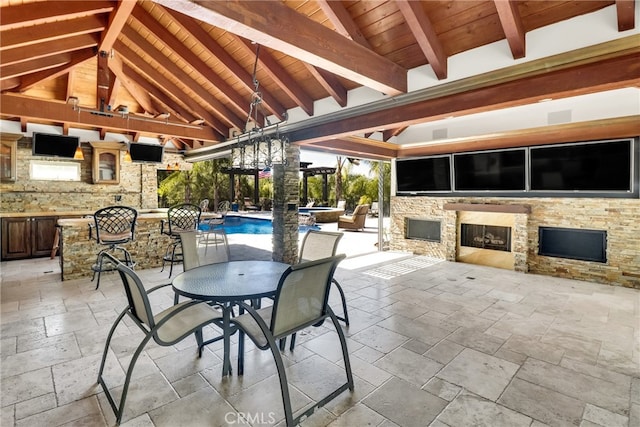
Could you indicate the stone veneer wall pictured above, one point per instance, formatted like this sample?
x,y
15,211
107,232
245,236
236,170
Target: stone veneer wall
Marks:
x,y
619,217
138,186
286,193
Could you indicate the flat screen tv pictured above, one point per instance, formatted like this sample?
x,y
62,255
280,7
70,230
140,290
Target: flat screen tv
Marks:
x,y
502,170
146,152
596,166
427,174
52,145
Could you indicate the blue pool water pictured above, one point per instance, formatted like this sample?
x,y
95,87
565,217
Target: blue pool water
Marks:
x,y
245,225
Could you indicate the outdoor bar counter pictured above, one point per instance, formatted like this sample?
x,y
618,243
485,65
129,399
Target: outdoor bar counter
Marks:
x,y
78,252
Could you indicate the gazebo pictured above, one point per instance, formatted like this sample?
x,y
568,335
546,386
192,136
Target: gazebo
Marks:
x,y
309,171
306,173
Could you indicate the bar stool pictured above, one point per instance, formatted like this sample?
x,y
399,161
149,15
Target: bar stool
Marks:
x,y
113,225
180,218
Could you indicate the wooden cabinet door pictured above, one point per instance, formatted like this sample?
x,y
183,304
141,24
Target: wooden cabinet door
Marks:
x,y
16,238
43,231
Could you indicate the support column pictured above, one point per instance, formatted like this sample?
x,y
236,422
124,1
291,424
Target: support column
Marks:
x,y
286,194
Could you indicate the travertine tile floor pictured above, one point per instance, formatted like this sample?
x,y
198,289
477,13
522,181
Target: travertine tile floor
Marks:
x,y
431,344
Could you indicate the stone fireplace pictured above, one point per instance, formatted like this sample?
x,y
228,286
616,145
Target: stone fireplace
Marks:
x,y
601,244
487,234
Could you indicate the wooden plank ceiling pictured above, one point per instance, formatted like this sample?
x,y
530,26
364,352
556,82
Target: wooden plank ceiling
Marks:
x,y
191,80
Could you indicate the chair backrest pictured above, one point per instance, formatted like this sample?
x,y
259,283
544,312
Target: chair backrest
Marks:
x,y
374,206
183,217
115,224
319,244
302,295
190,257
191,252
341,204
360,210
136,294
224,206
204,205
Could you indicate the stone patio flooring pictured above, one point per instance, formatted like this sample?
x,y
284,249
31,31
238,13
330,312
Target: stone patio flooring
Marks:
x,y
432,343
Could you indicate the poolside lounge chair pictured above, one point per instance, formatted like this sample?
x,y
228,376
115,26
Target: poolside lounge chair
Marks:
x,y
374,211
354,221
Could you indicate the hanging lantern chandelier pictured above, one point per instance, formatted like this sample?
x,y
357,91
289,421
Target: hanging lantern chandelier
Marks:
x,y
260,147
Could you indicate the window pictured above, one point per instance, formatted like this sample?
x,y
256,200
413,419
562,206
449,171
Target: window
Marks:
x,y
54,171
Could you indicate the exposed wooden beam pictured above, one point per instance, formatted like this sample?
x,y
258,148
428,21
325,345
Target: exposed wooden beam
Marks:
x,y
425,35
621,127
170,88
279,27
48,48
512,26
330,83
240,104
39,64
460,99
103,83
212,46
37,14
117,20
21,37
387,134
76,58
354,146
10,83
279,75
179,74
138,93
37,109
340,18
158,98
116,83
626,14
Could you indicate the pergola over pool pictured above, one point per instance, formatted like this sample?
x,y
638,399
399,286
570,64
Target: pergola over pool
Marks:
x,y
306,173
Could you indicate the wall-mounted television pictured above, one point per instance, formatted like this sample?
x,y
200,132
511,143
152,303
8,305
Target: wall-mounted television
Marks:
x,y
428,174
592,166
52,145
502,170
146,152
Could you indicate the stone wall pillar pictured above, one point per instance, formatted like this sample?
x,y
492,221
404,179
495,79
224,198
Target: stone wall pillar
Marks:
x,y
286,195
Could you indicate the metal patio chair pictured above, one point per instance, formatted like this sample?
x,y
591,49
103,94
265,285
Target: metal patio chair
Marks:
x,y
180,218
166,328
300,301
113,226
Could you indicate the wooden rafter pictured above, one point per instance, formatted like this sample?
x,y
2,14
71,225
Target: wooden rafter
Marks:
x,y
212,46
129,82
176,46
151,70
512,26
330,83
425,35
37,109
117,20
280,76
280,28
606,74
26,36
35,14
340,18
48,48
77,58
626,14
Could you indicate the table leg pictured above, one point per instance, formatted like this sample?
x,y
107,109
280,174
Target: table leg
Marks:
x,y
226,326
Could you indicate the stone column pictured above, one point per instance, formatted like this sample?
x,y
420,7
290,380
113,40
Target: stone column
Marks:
x,y
286,195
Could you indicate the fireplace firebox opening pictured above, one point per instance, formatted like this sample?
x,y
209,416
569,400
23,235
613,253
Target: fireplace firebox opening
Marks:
x,y
492,237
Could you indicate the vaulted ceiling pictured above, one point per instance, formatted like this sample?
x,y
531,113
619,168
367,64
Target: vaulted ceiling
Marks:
x,y
188,71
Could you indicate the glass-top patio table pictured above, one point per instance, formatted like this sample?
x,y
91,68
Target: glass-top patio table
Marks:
x,y
227,283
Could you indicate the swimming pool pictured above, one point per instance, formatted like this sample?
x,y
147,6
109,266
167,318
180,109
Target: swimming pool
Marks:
x,y
249,225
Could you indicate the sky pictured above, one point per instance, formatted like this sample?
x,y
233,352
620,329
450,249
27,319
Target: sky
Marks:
x,y
329,160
